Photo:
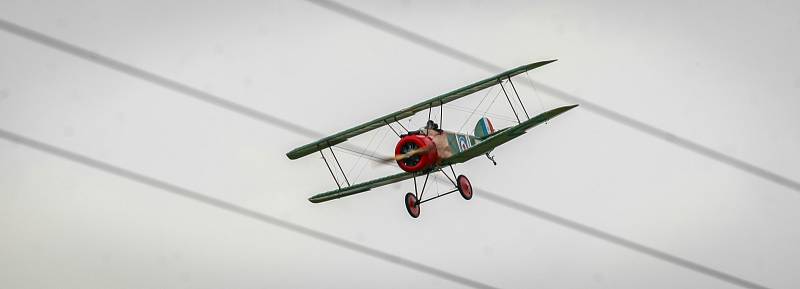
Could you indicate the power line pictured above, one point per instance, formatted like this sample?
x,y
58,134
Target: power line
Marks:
x,y
641,126
151,77
408,35
233,208
622,242
162,81
508,203
298,129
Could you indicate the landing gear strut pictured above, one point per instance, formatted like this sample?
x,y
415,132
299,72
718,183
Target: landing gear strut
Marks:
x,y
491,158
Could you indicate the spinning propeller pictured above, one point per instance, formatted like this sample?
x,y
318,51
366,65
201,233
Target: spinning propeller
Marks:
x,y
409,154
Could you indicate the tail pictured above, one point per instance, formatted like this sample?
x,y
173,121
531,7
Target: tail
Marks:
x,y
483,128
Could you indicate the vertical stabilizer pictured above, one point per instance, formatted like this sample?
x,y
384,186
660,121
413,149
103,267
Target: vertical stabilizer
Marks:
x,y
483,128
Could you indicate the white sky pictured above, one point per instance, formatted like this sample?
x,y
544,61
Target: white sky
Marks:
x,y
720,73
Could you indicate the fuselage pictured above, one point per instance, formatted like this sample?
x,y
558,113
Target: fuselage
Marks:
x,y
435,145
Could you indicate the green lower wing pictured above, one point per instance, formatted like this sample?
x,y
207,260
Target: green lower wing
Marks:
x,y
503,136
360,188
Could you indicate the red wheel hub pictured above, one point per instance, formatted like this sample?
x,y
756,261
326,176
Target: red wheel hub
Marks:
x,y
464,187
412,205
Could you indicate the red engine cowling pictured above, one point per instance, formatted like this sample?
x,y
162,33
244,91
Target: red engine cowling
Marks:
x,y
429,157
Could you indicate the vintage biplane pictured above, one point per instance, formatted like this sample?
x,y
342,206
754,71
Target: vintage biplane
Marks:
x,y
430,149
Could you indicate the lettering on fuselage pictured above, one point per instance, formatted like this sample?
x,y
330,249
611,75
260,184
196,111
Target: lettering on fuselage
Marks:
x,y
459,142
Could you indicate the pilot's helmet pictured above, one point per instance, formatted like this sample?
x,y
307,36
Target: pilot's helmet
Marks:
x,y
432,125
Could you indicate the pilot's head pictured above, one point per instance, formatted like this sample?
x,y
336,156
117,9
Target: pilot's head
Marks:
x,y
432,125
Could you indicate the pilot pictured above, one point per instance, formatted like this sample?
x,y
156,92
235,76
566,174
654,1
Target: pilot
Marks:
x,y
431,125
439,139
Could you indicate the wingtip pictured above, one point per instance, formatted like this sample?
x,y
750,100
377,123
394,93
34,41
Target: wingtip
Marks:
x,y
292,155
543,62
548,61
563,109
569,107
296,154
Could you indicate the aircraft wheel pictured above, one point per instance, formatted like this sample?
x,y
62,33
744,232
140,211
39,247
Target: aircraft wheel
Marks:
x,y
464,187
412,205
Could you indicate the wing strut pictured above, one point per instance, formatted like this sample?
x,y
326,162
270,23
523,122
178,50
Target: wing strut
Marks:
x,y
401,125
340,166
519,99
330,170
509,102
390,126
327,164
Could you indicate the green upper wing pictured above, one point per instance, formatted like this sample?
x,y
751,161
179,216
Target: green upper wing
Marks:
x,y
360,188
502,136
407,112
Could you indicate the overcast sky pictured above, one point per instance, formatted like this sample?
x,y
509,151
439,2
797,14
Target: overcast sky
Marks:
x,y
722,74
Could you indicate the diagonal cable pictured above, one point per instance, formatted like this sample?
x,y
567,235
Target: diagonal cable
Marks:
x,y
298,129
150,77
608,237
164,82
408,35
641,126
622,242
233,208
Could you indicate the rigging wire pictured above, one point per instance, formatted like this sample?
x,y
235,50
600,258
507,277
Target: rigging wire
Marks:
x,y
476,109
361,156
535,91
493,115
496,96
364,165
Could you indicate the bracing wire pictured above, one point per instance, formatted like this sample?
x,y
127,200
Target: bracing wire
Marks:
x,y
363,166
476,109
535,91
361,156
464,109
496,96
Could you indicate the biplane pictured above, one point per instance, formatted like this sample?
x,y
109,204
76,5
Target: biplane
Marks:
x,y
431,149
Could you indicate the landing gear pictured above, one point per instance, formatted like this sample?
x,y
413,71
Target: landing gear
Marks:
x,y
491,158
413,201
464,187
412,205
